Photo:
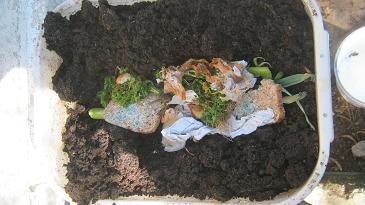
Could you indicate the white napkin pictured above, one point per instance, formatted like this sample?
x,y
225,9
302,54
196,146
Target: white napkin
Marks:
x,y
174,137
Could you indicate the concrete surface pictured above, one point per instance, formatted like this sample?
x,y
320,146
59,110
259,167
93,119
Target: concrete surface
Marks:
x,y
339,188
342,17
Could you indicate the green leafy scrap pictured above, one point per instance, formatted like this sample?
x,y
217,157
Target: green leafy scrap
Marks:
x,y
130,92
213,103
214,110
158,75
294,79
263,72
122,70
105,94
96,113
261,68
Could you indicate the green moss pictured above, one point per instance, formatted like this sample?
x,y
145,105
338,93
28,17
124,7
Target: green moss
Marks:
x,y
213,104
105,94
214,109
130,92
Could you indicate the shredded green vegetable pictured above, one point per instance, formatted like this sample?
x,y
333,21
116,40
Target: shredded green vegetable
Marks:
x,y
130,92
96,113
260,68
212,102
158,75
214,111
263,72
105,94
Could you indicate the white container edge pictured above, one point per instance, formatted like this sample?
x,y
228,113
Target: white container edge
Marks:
x,y
47,114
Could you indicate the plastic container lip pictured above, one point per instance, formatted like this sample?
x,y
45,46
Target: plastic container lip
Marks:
x,y
342,53
47,124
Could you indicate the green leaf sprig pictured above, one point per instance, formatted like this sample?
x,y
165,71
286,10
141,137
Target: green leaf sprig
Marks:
x,y
262,69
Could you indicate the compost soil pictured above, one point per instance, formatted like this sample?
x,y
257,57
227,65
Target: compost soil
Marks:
x,y
107,161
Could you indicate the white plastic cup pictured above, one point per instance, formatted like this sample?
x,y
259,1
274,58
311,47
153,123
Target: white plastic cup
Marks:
x,y
349,68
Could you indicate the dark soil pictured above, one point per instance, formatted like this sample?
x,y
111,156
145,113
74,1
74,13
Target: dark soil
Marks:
x,y
108,161
349,124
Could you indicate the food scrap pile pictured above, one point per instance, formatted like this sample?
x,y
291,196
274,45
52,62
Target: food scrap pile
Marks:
x,y
212,87
216,93
200,98
124,96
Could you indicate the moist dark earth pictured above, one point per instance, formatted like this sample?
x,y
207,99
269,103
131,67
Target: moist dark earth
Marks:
x,y
108,161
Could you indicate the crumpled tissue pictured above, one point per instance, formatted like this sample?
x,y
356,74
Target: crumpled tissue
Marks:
x,y
174,137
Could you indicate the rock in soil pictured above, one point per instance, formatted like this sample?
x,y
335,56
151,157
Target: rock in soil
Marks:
x,y
358,150
107,161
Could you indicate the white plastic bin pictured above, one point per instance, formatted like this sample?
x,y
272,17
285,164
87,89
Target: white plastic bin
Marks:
x,y
47,114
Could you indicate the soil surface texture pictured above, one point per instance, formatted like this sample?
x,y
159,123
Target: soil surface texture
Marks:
x,y
107,161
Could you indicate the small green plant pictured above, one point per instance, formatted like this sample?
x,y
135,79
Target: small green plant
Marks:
x,y
293,79
293,98
262,69
301,109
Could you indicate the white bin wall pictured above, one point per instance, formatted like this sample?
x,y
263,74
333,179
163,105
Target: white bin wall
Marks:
x,y
32,116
